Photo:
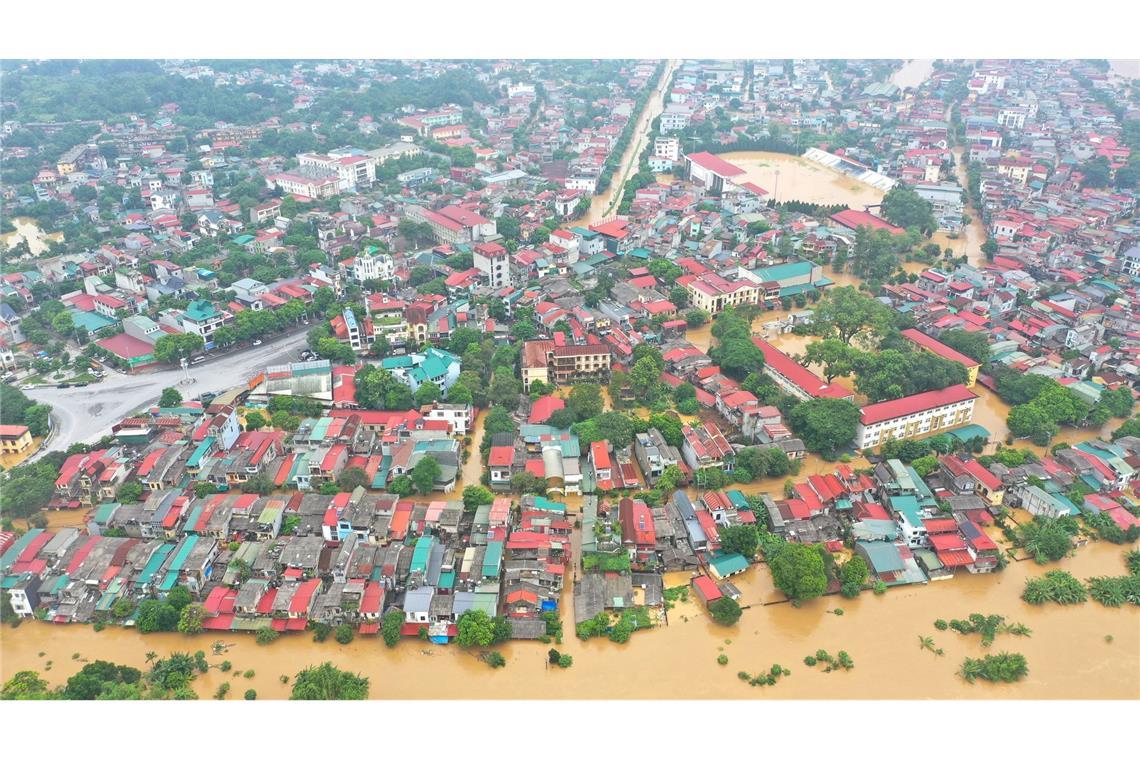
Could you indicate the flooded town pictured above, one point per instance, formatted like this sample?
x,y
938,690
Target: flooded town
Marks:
x,y
761,379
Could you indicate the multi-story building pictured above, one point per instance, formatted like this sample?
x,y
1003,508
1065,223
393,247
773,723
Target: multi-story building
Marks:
x,y
916,415
713,293
546,362
493,262
453,224
317,188
201,318
667,147
352,171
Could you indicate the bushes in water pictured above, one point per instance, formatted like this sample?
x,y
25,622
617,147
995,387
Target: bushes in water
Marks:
x,y
1055,586
1004,667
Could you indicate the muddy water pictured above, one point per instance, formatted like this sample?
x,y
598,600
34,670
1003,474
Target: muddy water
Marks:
x,y
472,470
28,230
1067,653
801,180
1129,68
913,73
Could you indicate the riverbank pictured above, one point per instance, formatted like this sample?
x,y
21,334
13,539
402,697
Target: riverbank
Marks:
x,y
1068,655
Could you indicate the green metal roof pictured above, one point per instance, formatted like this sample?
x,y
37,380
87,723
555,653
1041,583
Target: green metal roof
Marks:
x,y
546,505
421,554
203,449
783,271
154,563
884,556
176,564
970,431
727,564
493,559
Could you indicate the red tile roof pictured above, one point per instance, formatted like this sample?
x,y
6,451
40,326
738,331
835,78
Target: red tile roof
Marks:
x,y
901,407
855,219
715,164
938,348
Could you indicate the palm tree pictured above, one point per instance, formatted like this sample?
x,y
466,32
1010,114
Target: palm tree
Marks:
x,y
926,642
150,656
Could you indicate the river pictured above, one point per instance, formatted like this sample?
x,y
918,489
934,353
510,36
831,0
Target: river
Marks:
x,y
1068,655
28,229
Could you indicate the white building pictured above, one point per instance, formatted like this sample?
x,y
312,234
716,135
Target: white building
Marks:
x,y
667,147
461,416
352,171
493,262
372,266
915,415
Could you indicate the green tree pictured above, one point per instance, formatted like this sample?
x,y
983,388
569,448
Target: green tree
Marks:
x,y
171,349
902,206
475,628
825,425
426,394
326,682
130,492
390,626
190,621
170,398
255,421
848,314
742,539
343,633
585,400
835,356
352,478
475,496
425,473
725,611
26,685
975,345
798,571
853,576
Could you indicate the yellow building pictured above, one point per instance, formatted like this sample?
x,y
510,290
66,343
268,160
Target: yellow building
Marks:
x,y
14,438
941,349
712,293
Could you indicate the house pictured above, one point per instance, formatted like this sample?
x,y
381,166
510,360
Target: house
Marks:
x,y
705,446
14,438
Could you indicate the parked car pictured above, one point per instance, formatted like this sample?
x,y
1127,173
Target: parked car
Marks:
x,y
257,342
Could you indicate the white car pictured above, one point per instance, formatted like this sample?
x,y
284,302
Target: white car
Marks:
x,y
257,342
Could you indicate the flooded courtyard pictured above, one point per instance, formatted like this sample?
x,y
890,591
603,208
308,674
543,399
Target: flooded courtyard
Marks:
x,y
789,178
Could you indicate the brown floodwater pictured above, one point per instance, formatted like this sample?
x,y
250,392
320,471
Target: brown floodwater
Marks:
x,y
1068,655
28,229
801,180
913,73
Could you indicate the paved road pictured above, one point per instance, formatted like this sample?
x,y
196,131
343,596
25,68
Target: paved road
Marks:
x,y
86,414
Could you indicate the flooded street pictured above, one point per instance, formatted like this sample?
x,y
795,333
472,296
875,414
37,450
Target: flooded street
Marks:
x,y
603,204
28,230
1067,653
